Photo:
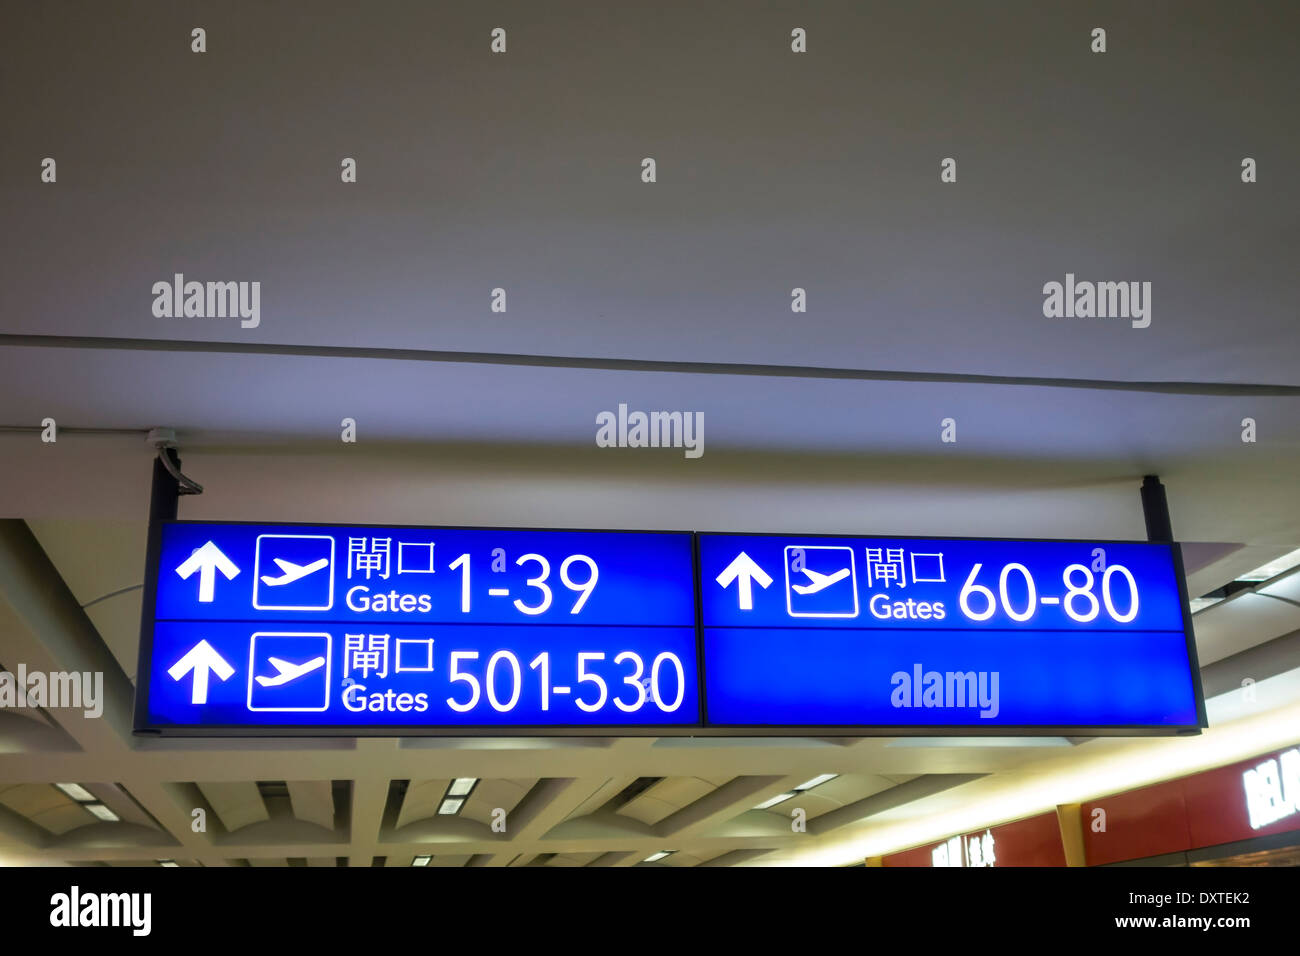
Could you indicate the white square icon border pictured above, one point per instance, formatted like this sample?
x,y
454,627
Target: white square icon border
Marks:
x,y
257,575
252,663
853,578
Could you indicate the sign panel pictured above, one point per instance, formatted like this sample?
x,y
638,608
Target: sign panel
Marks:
x,y
912,633
361,629
296,628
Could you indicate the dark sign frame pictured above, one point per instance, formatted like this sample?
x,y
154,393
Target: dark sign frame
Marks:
x,y
702,728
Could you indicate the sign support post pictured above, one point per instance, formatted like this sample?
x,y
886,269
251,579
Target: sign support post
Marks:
x,y
165,493
1155,508
164,497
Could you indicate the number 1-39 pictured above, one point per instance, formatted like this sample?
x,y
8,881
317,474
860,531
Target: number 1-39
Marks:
x,y
583,587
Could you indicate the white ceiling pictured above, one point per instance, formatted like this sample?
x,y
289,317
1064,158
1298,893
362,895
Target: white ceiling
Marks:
x,y
775,170
521,171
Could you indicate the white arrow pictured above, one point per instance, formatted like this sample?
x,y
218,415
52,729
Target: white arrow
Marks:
x,y
207,560
744,570
201,659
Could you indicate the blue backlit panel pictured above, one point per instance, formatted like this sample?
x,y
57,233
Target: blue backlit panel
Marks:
x,y
355,630
336,628
924,632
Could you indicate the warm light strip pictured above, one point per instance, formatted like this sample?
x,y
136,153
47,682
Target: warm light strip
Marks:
x,y
1240,729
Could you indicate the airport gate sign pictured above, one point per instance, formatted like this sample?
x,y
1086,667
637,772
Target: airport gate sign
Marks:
x,y
910,633
351,630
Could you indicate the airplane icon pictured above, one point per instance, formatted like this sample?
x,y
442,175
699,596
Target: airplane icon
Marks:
x,y
288,671
293,572
302,661
819,581
829,585
300,584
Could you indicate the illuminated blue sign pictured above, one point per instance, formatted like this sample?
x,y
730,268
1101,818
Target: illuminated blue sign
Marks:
x,y
354,630
407,628
921,632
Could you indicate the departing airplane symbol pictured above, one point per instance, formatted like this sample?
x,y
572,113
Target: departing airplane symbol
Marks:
x,y
288,671
293,572
819,581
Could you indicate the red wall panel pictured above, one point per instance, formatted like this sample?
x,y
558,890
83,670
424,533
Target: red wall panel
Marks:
x,y
1032,842
1217,810
1202,810
1146,822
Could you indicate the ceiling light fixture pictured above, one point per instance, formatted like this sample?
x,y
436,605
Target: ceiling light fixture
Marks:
x,y
1273,568
461,786
102,812
816,781
656,857
421,860
458,792
77,792
773,801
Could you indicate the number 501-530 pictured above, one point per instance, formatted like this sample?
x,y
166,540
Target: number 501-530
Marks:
x,y
588,699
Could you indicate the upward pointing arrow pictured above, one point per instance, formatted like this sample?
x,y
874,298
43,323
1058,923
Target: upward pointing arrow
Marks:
x,y
746,572
203,660
207,560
